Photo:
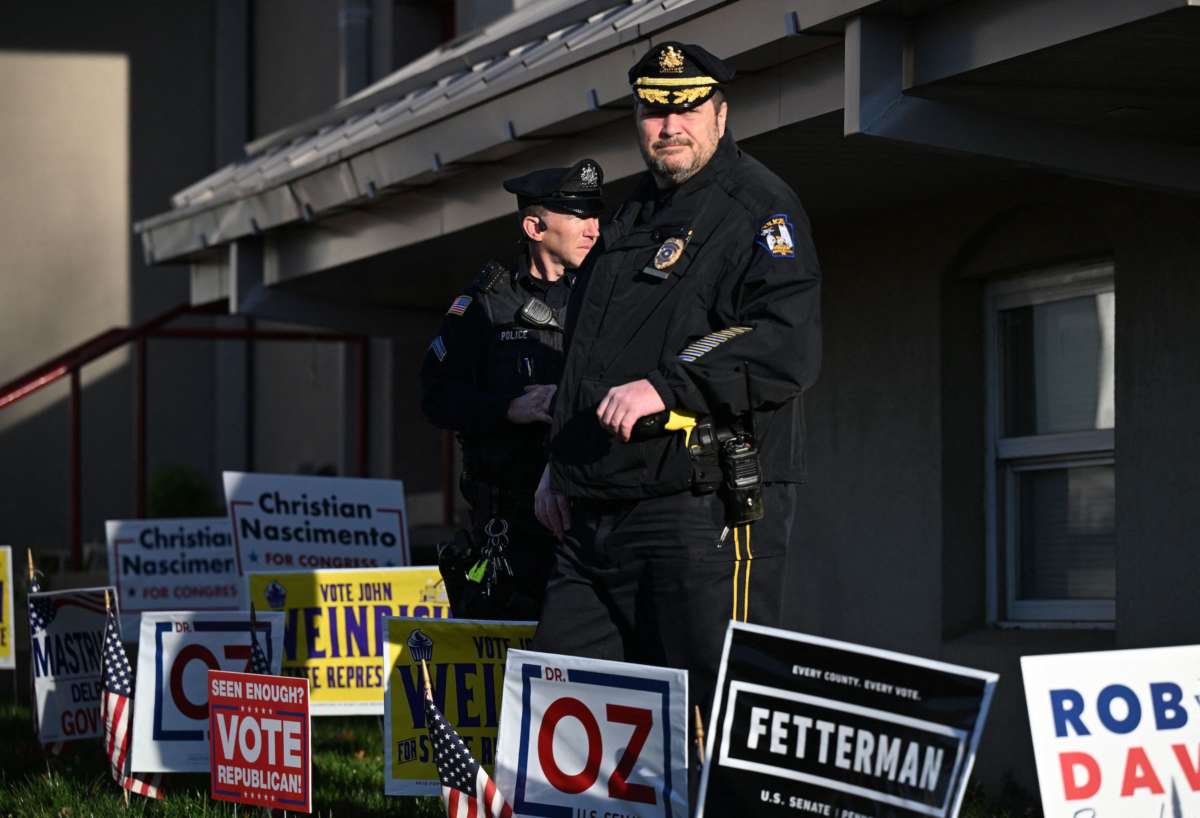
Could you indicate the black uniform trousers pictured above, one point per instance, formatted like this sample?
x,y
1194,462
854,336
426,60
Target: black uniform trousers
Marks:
x,y
645,581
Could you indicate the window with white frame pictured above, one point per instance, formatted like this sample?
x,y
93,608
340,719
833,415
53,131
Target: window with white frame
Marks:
x,y
1051,479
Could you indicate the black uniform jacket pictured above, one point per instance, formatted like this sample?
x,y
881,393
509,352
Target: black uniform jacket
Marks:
x,y
733,324
487,351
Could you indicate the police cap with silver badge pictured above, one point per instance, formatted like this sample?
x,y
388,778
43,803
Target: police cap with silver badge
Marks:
x,y
677,75
576,190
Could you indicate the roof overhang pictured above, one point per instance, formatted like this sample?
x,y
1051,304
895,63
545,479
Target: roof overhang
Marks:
x,y
979,78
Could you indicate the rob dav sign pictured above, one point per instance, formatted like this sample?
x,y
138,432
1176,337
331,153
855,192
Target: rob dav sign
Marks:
x,y
1116,733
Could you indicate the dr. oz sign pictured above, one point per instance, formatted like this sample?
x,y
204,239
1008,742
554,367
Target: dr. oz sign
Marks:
x,y
586,737
175,653
290,523
259,751
168,565
1116,733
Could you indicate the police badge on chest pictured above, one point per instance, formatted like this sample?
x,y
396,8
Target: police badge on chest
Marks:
x,y
666,256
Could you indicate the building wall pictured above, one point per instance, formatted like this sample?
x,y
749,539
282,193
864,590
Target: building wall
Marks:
x,y
893,551
116,103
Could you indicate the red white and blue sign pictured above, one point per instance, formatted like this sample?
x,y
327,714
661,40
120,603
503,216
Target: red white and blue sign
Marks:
x,y
1116,732
66,634
590,737
260,752
175,652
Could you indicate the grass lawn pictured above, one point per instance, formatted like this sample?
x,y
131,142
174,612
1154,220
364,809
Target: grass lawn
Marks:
x,y
347,778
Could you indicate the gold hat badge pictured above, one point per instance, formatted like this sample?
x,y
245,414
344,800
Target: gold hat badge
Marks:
x,y
670,60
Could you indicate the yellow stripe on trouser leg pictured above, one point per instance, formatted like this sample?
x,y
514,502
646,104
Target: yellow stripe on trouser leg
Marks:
x,y
737,564
746,594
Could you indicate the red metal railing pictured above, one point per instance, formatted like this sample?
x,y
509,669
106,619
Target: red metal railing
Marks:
x,y
70,363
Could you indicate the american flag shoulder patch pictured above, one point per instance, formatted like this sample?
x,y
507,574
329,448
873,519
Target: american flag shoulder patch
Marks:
x,y
709,342
438,347
459,305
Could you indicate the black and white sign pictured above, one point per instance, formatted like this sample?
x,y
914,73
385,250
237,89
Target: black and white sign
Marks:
x,y
808,726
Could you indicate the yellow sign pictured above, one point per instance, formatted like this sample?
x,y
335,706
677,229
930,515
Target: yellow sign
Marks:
x,y
333,627
8,653
466,667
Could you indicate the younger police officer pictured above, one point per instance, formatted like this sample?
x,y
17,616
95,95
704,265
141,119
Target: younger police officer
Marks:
x,y
490,375
702,301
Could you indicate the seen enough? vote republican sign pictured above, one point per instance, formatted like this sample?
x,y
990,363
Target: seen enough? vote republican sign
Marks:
x,y
259,729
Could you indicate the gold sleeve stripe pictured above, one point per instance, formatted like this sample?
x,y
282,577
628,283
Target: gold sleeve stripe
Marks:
x,y
710,342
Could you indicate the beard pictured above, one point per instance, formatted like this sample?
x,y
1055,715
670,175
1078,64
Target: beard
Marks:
x,y
678,172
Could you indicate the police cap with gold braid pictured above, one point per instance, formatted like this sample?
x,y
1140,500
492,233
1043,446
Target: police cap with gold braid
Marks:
x,y
576,190
677,75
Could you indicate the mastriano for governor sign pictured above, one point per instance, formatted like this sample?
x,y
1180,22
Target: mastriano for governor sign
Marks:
x,y
67,632
803,725
285,522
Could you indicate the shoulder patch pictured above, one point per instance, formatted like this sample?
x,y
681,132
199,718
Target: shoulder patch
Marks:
x,y
438,348
459,305
776,236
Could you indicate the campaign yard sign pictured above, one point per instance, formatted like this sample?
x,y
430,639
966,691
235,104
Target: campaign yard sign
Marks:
x,y
300,523
170,704
586,737
1116,733
170,565
8,653
466,660
66,631
802,725
260,747
334,631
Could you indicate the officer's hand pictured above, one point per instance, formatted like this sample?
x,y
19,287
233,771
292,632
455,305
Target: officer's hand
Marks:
x,y
533,406
551,507
624,405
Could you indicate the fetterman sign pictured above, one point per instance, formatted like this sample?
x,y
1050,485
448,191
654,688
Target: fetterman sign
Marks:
x,y
804,726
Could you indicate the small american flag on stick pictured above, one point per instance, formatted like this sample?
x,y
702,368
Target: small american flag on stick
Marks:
x,y
467,790
117,683
258,659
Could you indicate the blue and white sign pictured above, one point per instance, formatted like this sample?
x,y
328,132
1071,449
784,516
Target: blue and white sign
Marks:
x,y
299,523
1116,733
175,652
66,632
590,737
166,565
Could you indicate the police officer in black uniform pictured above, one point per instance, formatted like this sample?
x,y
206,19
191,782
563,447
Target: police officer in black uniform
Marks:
x,y
490,375
678,434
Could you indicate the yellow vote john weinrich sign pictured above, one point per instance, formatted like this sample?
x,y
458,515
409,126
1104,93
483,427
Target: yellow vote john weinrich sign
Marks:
x,y
334,629
466,665
8,656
